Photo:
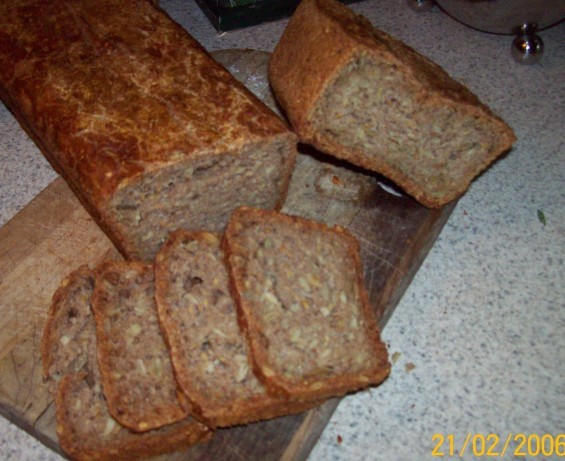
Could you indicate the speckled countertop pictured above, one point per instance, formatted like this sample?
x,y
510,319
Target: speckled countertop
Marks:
x,y
479,337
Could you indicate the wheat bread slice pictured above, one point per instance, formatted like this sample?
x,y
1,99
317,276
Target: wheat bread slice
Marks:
x,y
357,93
303,305
69,331
87,431
209,352
135,366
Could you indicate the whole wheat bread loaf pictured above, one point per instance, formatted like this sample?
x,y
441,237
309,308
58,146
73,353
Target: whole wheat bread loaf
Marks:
x,y
208,350
148,130
86,430
303,305
356,93
135,366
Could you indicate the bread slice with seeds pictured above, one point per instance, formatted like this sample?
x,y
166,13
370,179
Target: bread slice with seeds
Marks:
x,y
303,305
208,350
87,431
135,366
69,330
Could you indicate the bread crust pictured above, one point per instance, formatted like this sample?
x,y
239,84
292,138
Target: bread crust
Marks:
x,y
126,401
113,91
250,402
306,389
323,37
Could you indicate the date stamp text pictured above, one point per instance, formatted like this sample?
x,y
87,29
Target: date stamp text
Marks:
x,y
498,446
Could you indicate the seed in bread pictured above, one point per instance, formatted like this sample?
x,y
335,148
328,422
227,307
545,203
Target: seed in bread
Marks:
x,y
356,93
208,349
69,332
303,305
148,130
135,366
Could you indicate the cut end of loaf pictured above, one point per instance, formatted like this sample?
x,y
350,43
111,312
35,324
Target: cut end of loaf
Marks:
x,y
200,193
431,147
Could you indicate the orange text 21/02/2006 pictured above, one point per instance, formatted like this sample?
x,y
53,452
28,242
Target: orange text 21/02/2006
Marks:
x,y
497,446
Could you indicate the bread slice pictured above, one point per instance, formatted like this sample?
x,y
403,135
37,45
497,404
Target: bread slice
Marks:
x,y
209,352
303,305
356,93
135,365
69,332
87,431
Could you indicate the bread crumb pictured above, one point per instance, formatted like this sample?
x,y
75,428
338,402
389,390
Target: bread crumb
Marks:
x,y
409,367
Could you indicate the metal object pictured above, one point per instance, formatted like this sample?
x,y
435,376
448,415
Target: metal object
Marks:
x,y
421,5
527,47
504,16
509,17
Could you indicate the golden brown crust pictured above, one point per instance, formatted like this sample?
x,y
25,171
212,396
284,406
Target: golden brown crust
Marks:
x,y
93,438
308,389
111,91
97,141
321,39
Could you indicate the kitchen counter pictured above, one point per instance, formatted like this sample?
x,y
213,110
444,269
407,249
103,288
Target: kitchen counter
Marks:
x,y
478,340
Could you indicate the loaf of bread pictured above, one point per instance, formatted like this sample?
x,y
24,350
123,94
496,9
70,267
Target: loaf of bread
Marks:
x,y
135,366
69,334
209,352
148,130
303,305
356,93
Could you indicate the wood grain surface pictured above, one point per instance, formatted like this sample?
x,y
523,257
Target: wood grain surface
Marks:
x,y
54,234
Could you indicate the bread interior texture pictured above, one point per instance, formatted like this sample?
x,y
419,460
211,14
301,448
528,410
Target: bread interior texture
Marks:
x,y
134,358
372,108
200,193
305,296
210,351
71,331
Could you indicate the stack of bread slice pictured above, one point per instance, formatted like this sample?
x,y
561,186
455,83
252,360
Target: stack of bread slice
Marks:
x,y
270,319
87,428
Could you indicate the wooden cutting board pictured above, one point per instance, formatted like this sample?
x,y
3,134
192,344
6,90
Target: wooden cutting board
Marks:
x,y
54,234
